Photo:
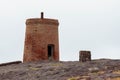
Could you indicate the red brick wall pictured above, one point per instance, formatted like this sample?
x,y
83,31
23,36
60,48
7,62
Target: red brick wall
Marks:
x,y
40,33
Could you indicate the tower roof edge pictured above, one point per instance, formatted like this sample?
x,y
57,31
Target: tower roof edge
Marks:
x,y
42,21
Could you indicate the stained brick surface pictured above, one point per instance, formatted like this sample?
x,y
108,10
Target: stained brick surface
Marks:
x,y
40,33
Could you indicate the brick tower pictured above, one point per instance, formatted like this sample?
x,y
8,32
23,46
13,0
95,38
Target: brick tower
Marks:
x,y
41,39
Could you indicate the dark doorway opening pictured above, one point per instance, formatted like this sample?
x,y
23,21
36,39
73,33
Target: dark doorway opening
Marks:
x,y
50,51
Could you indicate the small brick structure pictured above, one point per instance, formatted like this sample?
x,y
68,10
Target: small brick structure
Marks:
x,y
41,39
84,56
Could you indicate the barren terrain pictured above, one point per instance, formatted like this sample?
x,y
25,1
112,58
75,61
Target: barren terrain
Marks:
x,y
102,69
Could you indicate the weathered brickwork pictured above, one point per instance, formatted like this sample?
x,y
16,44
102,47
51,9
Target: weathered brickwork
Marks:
x,y
84,56
41,33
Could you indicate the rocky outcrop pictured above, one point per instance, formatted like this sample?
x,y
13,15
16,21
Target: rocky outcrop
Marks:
x,y
103,69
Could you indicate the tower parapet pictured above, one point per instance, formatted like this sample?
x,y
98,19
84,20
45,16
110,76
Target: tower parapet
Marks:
x,y
33,21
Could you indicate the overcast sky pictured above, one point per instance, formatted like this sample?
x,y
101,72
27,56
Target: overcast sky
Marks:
x,y
84,25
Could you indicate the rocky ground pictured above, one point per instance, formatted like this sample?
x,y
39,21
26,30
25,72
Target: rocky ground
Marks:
x,y
102,69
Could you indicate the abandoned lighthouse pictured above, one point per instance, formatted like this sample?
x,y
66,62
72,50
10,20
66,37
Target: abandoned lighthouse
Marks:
x,y
41,39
